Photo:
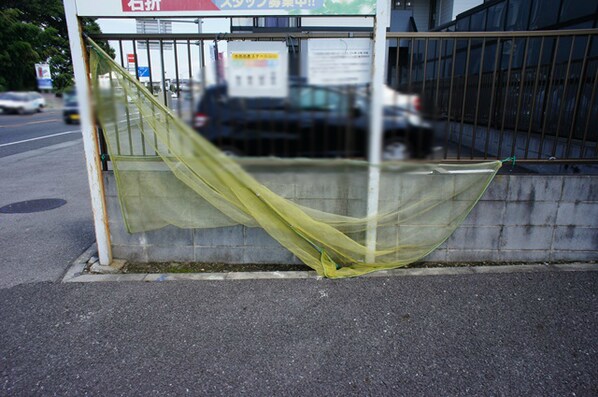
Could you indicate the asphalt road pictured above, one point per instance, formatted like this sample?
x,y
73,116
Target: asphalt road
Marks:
x,y
37,246
21,133
515,334
475,335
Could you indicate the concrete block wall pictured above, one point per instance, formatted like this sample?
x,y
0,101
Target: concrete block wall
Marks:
x,y
530,218
526,218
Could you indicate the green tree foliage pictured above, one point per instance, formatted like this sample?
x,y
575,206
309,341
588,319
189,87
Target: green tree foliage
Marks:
x,y
34,31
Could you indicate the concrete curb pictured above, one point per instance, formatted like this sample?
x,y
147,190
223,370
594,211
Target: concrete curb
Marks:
x,y
78,266
75,272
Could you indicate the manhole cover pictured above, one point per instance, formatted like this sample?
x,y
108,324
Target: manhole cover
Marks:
x,y
25,207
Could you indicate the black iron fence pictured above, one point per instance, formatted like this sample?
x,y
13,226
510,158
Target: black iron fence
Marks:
x,y
483,95
497,94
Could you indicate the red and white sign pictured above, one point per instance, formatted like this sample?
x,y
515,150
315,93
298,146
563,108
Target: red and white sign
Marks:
x,y
44,77
206,8
168,5
131,58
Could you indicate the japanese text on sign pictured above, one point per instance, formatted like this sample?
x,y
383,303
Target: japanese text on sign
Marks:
x,y
172,5
142,5
268,4
257,69
201,8
339,61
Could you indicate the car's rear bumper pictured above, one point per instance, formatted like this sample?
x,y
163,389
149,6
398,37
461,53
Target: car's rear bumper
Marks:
x,y
71,116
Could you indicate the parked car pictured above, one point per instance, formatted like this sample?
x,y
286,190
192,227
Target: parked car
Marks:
x,y
313,121
70,110
19,102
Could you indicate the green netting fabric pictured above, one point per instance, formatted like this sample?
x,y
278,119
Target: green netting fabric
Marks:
x,y
167,174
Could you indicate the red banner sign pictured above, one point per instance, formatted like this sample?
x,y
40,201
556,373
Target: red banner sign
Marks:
x,y
168,5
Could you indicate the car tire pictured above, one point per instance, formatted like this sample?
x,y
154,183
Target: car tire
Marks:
x,y
395,150
67,121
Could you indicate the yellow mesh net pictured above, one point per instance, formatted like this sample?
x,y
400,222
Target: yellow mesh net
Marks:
x,y
168,174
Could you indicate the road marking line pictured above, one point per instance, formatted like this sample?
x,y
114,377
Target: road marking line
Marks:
x,y
41,137
29,123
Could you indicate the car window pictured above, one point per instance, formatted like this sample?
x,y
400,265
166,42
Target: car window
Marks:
x,y
11,96
318,99
70,99
216,100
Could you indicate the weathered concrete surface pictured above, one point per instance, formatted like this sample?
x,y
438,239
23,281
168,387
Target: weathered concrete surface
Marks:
x,y
520,218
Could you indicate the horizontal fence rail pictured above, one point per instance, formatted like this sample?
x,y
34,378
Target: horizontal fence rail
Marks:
x,y
485,95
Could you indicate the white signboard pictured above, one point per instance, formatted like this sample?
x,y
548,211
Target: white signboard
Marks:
x,y
257,69
44,77
339,61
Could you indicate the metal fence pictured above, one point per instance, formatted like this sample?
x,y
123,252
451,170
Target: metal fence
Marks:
x,y
525,94
486,94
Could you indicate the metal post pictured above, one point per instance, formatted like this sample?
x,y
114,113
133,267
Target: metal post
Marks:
x,y
88,130
376,115
217,62
201,56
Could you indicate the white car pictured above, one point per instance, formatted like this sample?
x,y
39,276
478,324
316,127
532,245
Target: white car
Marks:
x,y
19,102
40,101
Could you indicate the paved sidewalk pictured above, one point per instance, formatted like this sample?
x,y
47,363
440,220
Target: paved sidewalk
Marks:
x,y
38,246
481,334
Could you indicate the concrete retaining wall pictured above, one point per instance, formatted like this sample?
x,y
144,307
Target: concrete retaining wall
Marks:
x,y
527,218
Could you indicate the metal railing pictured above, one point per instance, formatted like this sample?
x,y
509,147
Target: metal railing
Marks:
x,y
490,95
496,94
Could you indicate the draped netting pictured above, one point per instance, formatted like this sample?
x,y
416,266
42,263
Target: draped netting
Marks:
x,y
168,174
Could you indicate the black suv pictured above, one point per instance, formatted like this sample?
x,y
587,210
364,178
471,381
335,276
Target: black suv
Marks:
x,y
313,121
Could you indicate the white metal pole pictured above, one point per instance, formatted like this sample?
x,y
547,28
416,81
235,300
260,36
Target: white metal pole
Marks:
x,y
90,141
201,57
376,119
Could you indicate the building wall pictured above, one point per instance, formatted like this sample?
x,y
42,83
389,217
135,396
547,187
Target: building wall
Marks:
x,y
444,11
447,10
421,15
460,6
527,218
337,21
